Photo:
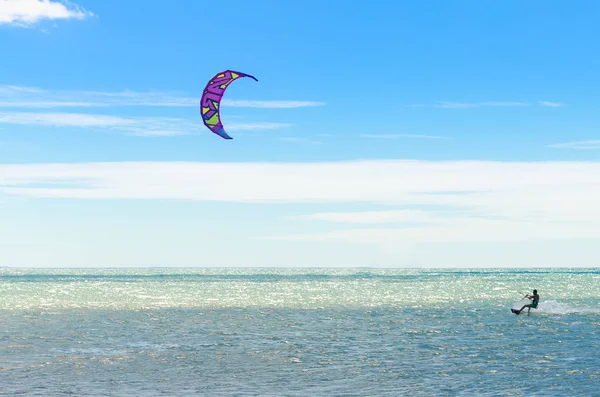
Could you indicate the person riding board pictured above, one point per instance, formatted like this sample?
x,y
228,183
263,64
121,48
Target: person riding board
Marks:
x,y
533,305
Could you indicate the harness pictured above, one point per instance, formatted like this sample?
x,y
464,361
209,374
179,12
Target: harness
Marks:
x,y
534,303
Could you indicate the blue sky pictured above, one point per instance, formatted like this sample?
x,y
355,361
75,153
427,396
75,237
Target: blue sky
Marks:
x,y
400,134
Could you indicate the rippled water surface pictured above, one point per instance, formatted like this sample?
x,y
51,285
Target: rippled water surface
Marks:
x,y
301,332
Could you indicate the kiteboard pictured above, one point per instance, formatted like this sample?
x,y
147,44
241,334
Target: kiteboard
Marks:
x,y
515,311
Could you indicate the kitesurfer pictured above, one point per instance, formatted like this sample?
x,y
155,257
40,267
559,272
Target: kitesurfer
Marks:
x,y
535,298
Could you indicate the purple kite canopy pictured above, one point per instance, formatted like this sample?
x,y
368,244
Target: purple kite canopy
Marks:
x,y
211,100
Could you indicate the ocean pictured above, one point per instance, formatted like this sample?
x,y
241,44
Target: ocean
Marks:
x,y
298,332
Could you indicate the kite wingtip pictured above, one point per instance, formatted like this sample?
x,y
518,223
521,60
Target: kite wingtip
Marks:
x,y
243,74
223,134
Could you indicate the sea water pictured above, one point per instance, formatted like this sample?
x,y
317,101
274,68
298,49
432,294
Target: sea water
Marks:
x,y
298,332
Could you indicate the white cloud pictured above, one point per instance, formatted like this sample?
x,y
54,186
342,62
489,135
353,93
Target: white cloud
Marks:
x,y
550,104
12,89
464,230
489,201
353,181
255,126
32,97
63,119
269,104
461,105
143,126
45,104
389,216
470,105
300,140
397,136
583,145
27,12
474,184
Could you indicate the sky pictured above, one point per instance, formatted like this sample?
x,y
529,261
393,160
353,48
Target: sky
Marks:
x,y
433,134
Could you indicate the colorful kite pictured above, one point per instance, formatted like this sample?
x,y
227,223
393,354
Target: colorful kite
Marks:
x,y
211,100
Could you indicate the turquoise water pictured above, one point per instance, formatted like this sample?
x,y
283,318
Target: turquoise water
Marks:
x,y
300,332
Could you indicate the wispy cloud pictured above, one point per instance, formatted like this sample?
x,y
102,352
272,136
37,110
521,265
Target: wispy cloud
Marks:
x,y
462,105
63,119
11,89
45,104
27,12
300,140
255,126
471,105
581,145
376,181
269,104
32,97
141,126
550,104
398,136
461,231
490,201
389,216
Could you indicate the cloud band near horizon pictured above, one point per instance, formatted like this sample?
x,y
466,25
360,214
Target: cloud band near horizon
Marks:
x,y
432,201
455,183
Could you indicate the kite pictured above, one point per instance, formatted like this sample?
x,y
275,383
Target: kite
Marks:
x,y
211,100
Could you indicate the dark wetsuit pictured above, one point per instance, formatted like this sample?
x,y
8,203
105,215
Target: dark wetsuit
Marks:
x,y
534,303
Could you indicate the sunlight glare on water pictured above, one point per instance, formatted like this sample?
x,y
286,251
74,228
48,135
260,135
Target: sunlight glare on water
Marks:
x,y
298,332
132,289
